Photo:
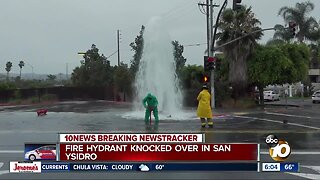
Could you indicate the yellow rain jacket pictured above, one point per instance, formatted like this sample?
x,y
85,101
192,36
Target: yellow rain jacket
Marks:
x,y
204,107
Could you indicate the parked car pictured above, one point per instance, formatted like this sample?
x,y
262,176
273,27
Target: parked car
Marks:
x,y
316,97
271,96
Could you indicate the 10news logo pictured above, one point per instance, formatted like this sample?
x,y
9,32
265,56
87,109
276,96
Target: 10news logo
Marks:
x,y
279,149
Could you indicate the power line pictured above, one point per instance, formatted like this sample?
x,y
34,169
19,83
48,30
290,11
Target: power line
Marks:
x,y
197,44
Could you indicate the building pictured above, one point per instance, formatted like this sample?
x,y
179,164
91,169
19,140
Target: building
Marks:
x,y
314,74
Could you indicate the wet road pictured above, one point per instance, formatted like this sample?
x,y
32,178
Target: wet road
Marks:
x,y
302,132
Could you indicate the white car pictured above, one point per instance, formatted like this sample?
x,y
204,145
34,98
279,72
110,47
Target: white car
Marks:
x,y
42,153
271,96
316,97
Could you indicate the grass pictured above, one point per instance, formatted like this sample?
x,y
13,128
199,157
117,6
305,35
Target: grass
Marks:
x,y
297,97
244,103
33,100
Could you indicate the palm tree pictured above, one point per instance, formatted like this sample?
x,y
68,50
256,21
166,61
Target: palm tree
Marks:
x,y
315,55
299,14
8,68
21,64
234,24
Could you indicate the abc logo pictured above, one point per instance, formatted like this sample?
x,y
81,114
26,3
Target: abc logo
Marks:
x,y
279,150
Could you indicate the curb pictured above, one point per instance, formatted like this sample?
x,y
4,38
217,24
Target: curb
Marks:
x,y
283,105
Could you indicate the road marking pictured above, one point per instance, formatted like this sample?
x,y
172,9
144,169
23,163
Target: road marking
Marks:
x,y
290,115
298,152
306,175
4,172
315,168
1,164
270,120
11,151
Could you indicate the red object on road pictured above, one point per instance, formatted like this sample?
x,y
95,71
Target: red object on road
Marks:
x,y
42,112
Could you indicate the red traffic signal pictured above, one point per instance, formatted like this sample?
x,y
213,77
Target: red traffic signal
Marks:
x,y
211,59
209,63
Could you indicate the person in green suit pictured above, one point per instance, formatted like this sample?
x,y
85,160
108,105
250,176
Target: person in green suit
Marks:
x,y
150,102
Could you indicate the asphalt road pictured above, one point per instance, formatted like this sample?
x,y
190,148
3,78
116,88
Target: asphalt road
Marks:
x,y
302,131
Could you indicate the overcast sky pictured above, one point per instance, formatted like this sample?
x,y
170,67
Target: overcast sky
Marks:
x,y
47,34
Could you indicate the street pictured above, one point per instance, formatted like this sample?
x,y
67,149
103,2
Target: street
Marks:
x,y
19,125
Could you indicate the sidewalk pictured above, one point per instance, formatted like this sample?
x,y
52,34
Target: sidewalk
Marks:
x,y
291,102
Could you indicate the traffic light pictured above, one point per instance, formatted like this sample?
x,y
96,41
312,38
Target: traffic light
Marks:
x,y
209,63
206,79
205,63
292,27
236,5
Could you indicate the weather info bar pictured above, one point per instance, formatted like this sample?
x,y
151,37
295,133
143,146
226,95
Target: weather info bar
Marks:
x,y
146,167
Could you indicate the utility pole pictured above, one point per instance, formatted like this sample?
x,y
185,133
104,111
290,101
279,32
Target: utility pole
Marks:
x,y
208,11
67,71
211,54
31,69
118,40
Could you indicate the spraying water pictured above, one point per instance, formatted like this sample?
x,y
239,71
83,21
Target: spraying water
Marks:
x,y
157,70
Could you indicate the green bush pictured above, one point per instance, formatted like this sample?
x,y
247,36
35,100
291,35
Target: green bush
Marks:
x,y
34,99
223,92
242,103
6,86
49,97
17,94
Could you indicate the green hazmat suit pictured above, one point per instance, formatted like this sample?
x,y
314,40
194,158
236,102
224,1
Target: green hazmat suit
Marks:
x,y
150,102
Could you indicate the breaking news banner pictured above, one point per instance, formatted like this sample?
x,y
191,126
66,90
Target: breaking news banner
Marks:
x,y
131,138
25,167
280,167
146,167
39,152
158,152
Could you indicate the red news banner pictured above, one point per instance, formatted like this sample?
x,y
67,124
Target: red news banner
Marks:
x,y
160,147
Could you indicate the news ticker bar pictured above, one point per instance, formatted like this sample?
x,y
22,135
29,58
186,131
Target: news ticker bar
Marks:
x,y
146,167
38,167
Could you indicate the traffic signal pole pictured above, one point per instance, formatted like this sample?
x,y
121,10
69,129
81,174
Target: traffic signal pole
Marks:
x,y
211,49
211,54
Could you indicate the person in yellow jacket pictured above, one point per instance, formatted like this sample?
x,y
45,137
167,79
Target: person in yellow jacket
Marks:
x,y
204,107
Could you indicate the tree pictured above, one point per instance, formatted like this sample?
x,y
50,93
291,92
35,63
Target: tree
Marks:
x,y
94,71
178,57
8,68
299,14
266,66
275,42
123,78
315,55
282,33
299,54
281,64
51,77
21,64
137,47
191,76
234,24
